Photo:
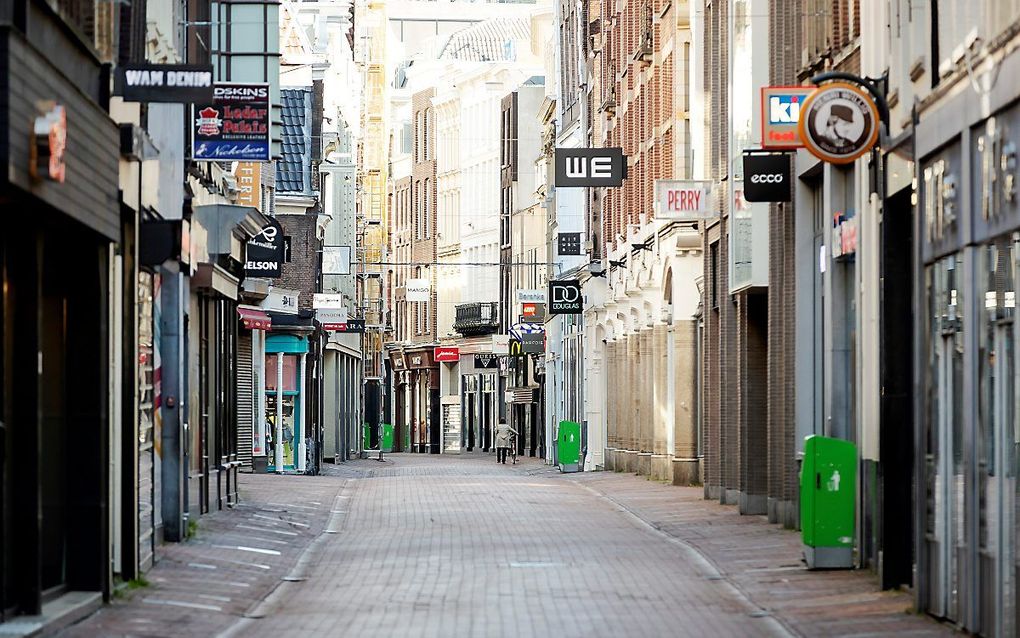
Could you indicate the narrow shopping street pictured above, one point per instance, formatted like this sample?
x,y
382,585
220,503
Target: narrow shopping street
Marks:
x,y
460,546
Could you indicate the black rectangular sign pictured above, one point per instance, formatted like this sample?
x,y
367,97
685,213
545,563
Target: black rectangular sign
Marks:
x,y
174,83
569,243
565,297
352,325
768,177
264,252
486,361
234,127
533,343
590,167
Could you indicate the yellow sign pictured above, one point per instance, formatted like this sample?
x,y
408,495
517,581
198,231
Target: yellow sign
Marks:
x,y
249,184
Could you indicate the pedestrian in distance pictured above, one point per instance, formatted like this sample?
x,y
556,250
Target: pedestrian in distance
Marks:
x,y
503,433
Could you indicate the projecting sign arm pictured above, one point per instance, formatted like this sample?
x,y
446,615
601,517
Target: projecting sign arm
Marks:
x,y
875,86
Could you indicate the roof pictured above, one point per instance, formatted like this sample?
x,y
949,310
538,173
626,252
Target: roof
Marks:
x,y
293,171
491,40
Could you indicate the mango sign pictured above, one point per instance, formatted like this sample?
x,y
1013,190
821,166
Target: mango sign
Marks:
x,y
683,200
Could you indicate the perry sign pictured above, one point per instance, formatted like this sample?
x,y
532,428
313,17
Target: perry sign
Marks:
x,y
683,200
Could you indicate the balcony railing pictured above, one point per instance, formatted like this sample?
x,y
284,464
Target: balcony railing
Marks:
x,y
477,318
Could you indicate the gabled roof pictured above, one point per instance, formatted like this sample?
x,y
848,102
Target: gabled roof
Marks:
x,y
494,40
293,171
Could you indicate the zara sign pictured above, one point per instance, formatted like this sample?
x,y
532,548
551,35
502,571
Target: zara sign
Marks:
x,y
579,167
565,297
767,177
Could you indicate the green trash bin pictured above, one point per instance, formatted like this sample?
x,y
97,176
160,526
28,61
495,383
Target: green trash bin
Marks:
x,y
387,438
568,446
828,497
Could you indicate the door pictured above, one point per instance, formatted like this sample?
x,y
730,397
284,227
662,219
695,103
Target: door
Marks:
x,y
996,441
944,534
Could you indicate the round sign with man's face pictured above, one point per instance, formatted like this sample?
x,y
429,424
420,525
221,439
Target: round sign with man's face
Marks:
x,y
838,123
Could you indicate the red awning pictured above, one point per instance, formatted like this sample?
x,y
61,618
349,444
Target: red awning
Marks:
x,y
254,319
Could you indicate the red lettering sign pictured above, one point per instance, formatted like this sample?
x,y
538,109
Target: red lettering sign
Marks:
x,y
446,354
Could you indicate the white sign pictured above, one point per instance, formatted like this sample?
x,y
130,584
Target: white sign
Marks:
x,y
418,290
327,300
500,344
530,296
280,300
680,200
331,315
336,260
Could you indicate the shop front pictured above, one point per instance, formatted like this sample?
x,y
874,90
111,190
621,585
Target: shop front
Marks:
x,y
422,400
967,412
285,411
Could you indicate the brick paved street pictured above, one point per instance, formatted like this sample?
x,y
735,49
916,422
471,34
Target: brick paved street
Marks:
x,y
460,546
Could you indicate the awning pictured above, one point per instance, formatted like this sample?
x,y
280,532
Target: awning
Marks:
x,y
254,319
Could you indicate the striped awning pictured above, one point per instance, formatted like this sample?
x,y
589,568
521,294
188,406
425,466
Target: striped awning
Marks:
x,y
522,395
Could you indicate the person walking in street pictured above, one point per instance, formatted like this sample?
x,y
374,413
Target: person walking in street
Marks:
x,y
503,433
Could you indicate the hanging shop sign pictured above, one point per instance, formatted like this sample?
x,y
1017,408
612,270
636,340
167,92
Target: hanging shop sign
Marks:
x,y
331,317
532,312
532,343
569,243
500,344
768,177
530,296
590,167
281,300
419,360
844,236
565,297
263,253
336,260
446,354
170,83
351,325
486,361
838,123
49,133
235,126
683,200
418,290
327,300
780,113
398,361
249,184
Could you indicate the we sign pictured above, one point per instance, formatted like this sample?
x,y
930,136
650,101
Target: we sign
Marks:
x,y
679,200
579,167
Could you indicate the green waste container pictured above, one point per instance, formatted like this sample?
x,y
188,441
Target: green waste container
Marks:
x,y
568,446
828,496
387,438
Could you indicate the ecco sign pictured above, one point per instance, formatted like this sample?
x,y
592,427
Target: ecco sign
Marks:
x,y
590,167
565,297
767,177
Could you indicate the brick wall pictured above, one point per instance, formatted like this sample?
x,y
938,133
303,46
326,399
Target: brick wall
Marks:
x,y
423,206
302,273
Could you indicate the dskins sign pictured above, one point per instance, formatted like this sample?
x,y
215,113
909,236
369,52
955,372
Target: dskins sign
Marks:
x,y
235,127
579,167
565,297
767,177
264,252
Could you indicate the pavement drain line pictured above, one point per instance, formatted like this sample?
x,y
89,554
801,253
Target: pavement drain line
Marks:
x,y
299,573
712,573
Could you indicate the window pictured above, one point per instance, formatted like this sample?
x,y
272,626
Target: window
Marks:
x,y
427,221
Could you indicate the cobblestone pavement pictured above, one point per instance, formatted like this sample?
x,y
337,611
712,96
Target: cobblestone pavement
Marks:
x,y
461,546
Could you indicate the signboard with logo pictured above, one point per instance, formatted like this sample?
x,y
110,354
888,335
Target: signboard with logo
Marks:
x,y
331,317
569,243
590,167
565,297
351,325
49,133
235,126
681,200
446,354
486,361
780,112
171,83
281,300
844,236
419,360
532,343
249,184
264,252
768,177
532,311
838,123
397,360
500,344
418,290
327,300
